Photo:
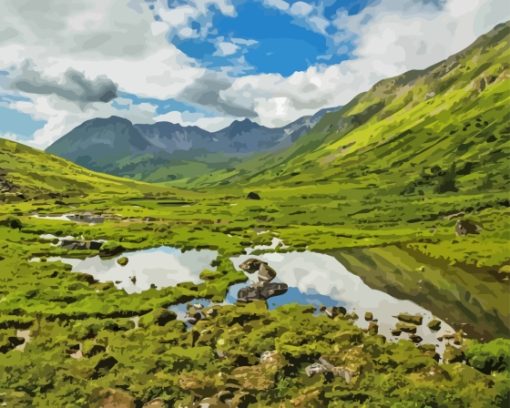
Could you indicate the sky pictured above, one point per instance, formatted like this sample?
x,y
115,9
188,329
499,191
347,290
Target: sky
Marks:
x,y
209,62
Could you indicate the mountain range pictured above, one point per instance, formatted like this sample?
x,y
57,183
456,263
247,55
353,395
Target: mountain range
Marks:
x,y
165,151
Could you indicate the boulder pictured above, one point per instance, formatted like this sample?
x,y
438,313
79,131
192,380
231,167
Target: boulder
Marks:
x,y
253,196
251,293
409,318
466,227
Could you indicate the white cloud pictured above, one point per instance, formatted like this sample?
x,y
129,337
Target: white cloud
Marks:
x,y
301,8
225,48
211,124
179,18
277,4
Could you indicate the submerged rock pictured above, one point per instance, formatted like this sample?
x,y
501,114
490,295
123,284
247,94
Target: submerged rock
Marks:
x,y
409,318
406,327
434,324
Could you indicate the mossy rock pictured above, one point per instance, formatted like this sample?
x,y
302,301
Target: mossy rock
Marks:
x,y
434,324
406,327
123,261
410,318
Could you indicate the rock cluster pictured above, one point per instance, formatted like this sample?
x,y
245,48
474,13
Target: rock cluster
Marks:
x,y
264,288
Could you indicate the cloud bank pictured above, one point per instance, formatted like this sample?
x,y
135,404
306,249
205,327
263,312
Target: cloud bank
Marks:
x,y
73,86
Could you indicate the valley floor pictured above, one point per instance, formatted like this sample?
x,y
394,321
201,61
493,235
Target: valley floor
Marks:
x,y
86,342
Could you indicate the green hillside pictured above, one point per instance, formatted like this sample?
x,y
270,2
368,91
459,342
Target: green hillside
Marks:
x,y
409,134
27,172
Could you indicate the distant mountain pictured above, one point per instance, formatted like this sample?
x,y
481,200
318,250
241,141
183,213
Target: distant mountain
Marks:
x,y
166,151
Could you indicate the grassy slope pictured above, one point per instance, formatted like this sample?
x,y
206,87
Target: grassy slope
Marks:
x,y
37,174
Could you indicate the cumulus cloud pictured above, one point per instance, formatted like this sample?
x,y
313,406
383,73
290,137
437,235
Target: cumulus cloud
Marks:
x,y
73,85
206,91
191,19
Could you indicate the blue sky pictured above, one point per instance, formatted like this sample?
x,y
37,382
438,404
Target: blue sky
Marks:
x,y
283,45
209,62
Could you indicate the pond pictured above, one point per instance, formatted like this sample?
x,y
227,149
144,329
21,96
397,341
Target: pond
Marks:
x,y
313,279
157,267
319,279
